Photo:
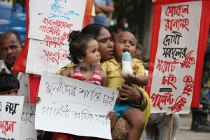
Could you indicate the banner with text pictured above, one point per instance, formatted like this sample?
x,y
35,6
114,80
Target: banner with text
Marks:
x,y
174,54
50,25
27,126
53,20
74,106
10,114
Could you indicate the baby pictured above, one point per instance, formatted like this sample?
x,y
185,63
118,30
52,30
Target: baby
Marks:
x,y
126,41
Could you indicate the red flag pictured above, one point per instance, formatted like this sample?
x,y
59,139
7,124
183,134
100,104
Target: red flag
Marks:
x,y
202,42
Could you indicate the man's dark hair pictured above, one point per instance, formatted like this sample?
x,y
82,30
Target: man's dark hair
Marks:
x,y
8,82
12,32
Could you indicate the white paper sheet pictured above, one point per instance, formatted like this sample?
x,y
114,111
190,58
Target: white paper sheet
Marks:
x,y
44,56
10,115
27,127
53,20
72,106
174,69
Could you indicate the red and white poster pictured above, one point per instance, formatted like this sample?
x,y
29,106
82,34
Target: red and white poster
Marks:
x,y
48,24
10,117
177,53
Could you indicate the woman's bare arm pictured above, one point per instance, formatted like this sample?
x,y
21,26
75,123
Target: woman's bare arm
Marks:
x,y
104,79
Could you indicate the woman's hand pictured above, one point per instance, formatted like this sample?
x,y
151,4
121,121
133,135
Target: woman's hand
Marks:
x,y
130,78
129,93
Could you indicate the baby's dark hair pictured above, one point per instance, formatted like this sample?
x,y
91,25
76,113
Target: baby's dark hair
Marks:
x,y
77,45
8,82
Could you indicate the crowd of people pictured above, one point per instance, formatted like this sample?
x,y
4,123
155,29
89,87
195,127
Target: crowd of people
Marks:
x,y
96,57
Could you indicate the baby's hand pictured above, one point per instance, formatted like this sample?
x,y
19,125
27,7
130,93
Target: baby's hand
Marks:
x,y
37,99
111,114
130,78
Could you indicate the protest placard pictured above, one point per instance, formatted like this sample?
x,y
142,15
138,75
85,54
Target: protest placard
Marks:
x,y
27,124
175,54
53,20
49,54
10,114
49,59
72,106
50,23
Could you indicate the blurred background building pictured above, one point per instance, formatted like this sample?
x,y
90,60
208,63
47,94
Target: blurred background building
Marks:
x,y
13,16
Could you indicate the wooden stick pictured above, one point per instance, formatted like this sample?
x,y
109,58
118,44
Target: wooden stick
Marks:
x,y
153,0
170,127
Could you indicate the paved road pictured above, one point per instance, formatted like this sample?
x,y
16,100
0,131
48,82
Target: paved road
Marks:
x,y
186,134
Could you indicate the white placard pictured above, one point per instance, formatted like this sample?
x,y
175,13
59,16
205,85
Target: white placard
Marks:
x,y
10,114
53,20
72,106
27,126
174,70
46,56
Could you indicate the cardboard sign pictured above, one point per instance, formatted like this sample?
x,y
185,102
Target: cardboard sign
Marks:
x,y
42,56
176,57
10,115
51,22
75,107
27,126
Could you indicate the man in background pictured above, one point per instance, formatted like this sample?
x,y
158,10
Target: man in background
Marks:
x,y
10,48
102,9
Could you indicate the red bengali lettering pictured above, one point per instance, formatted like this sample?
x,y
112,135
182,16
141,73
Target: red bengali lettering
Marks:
x,y
55,57
169,80
166,66
158,99
50,30
66,35
188,61
7,126
52,44
176,23
177,10
188,80
55,39
59,24
179,103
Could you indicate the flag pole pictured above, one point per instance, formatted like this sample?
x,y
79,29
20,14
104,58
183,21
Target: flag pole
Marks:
x,y
170,127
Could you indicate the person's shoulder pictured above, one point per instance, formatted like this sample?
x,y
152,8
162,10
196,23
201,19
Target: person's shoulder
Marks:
x,y
135,60
109,63
71,64
137,64
105,62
